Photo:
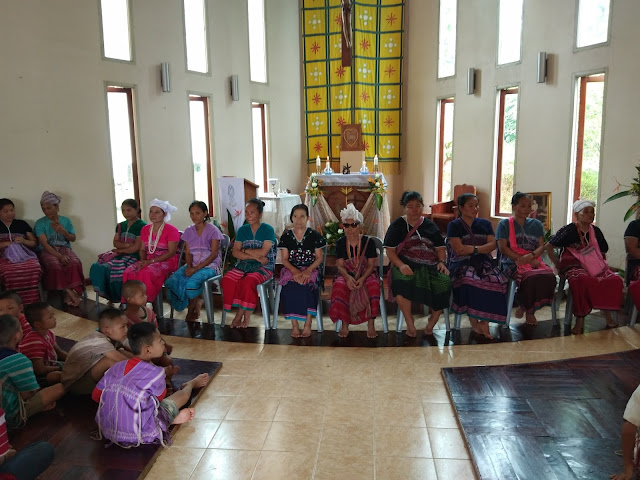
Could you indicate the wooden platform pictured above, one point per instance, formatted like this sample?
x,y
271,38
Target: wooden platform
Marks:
x,y
69,425
553,420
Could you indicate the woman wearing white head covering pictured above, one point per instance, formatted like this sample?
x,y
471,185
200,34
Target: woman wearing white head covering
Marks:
x,y
591,282
355,296
158,258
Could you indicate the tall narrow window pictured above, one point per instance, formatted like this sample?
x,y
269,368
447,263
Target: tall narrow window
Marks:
x,y
116,34
590,92
195,29
447,38
257,42
506,150
509,31
445,149
593,22
122,136
201,149
260,160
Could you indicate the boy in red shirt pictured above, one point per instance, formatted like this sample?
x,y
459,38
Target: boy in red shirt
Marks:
x,y
11,304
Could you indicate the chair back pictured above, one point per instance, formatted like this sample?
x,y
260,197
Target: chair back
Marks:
x,y
460,189
224,245
380,249
322,266
180,250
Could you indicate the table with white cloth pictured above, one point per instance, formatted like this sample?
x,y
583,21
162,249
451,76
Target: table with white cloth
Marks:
x,y
277,210
340,189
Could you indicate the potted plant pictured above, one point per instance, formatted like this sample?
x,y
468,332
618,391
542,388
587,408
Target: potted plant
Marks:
x,y
634,190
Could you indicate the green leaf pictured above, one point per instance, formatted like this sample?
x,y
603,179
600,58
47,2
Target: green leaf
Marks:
x,y
314,199
631,210
378,201
230,227
618,195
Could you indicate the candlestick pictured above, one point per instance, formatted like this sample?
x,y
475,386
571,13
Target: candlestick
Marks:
x,y
375,163
318,164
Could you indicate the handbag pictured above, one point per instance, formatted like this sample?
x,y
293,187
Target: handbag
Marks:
x,y
17,253
513,245
590,257
390,295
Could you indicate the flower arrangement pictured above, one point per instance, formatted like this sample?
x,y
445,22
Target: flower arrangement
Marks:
x,y
332,232
378,188
313,188
634,190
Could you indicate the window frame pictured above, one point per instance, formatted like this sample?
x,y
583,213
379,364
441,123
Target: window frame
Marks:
x,y
442,103
455,56
129,32
499,140
263,114
207,40
266,46
607,42
117,87
516,62
206,99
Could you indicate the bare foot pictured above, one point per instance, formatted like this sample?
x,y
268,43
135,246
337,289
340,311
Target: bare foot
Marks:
x,y
198,308
411,327
428,330
520,312
579,326
371,330
236,321
245,320
200,381
610,322
185,415
531,319
306,331
485,330
344,330
475,326
295,330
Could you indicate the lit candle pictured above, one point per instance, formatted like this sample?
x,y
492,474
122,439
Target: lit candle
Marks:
x,y
364,163
328,161
375,160
318,161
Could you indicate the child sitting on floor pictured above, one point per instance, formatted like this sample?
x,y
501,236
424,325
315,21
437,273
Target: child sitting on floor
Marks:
x,y
135,292
21,394
11,304
132,409
94,354
40,345
630,439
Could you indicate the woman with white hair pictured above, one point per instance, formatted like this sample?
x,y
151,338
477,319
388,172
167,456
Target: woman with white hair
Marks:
x,y
592,283
158,257
355,296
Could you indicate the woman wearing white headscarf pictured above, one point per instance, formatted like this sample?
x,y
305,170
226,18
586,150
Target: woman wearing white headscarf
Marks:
x,y
62,267
158,257
592,283
355,296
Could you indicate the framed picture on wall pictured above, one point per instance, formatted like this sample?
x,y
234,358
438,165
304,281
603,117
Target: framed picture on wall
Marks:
x,y
541,208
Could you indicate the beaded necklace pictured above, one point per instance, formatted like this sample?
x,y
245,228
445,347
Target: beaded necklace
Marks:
x,y
153,246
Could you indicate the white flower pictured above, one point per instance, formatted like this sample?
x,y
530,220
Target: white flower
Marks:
x,y
314,184
378,184
340,230
328,236
328,224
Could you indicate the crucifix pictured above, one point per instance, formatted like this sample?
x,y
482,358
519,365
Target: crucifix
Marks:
x,y
346,33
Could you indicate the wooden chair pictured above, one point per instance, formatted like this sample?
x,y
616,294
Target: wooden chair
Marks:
x,y
445,212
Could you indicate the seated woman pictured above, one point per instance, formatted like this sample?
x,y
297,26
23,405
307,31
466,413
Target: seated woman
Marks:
x,y
592,284
632,245
62,267
19,267
521,241
255,249
203,261
106,273
479,288
158,257
355,296
301,253
417,254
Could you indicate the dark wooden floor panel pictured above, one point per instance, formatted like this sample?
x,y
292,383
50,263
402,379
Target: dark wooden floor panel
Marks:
x,y
551,420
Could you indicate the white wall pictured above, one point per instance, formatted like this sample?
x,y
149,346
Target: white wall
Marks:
x,y
53,125
545,110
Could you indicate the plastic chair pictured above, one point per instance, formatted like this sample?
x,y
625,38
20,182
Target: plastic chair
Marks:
x,y
634,316
568,314
209,283
511,295
319,322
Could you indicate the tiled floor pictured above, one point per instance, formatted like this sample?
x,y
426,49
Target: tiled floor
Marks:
x,y
288,412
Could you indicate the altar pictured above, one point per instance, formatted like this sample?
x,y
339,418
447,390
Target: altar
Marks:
x,y
338,190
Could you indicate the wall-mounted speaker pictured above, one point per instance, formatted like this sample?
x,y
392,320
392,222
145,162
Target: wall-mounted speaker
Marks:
x,y
471,81
165,81
235,93
542,67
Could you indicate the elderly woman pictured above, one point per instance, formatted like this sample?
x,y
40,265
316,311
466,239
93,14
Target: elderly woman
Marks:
x,y
521,242
479,288
19,266
301,253
106,273
202,261
255,249
417,254
62,267
355,296
582,262
632,245
158,258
